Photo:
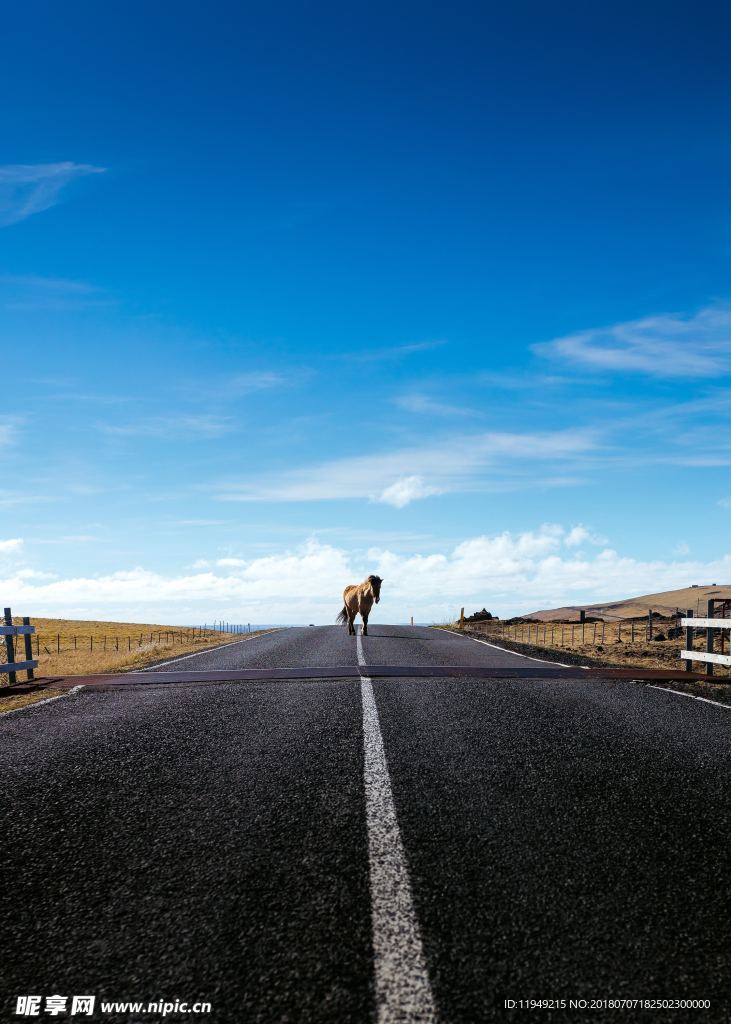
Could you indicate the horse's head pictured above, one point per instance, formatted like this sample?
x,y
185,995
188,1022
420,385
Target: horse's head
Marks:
x,y
375,582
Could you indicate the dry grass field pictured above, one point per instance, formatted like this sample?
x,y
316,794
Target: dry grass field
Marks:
x,y
78,647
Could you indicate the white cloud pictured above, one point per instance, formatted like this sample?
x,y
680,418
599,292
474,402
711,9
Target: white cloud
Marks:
x,y
26,189
11,547
507,573
725,502
405,490
579,535
670,345
681,549
453,464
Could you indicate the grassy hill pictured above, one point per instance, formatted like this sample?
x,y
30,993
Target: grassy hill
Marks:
x,y
667,602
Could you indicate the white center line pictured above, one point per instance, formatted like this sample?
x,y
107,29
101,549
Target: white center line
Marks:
x,y
403,992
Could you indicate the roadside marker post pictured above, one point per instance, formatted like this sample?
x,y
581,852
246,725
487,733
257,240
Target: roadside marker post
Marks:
x,y
709,637
689,641
9,645
28,647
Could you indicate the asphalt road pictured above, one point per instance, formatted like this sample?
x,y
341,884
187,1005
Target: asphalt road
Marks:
x,y
490,839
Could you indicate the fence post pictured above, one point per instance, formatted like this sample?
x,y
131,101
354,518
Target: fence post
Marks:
x,y
709,637
10,646
689,641
28,646
648,631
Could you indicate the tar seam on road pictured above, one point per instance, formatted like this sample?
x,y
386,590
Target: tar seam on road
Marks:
x,y
693,696
208,650
46,700
403,992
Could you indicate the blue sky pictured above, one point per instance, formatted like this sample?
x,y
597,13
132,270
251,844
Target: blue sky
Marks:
x,y
289,295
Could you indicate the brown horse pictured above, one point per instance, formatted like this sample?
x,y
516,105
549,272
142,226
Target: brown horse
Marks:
x,y
359,600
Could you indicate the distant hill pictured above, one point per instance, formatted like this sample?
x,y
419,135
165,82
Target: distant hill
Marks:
x,y
666,603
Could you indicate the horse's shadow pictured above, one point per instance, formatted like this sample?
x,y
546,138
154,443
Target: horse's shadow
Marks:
x,y
401,636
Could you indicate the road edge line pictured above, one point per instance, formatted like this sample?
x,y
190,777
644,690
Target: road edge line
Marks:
x,y
197,654
693,696
38,703
543,661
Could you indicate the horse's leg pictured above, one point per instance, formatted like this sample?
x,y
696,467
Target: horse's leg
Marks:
x,y
351,623
364,616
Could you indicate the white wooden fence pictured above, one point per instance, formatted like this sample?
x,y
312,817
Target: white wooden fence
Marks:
x,y
709,657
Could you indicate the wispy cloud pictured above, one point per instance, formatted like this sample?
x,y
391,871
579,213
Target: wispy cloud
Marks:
x,y
54,284
368,355
232,386
522,381
200,522
659,346
398,477
421,403
25,292
9,426
11,498
26,189
256,380
172,427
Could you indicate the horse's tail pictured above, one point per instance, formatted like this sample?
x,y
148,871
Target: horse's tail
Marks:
x,y
343,616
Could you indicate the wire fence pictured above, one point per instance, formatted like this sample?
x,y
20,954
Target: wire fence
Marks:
x,y
61,643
